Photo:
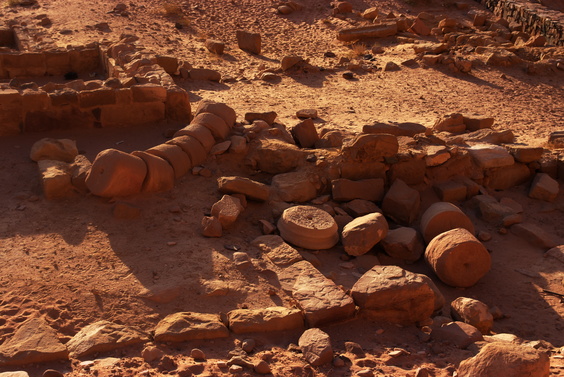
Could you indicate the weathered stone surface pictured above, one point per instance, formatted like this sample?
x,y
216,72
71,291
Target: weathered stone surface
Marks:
x,y
491,156
54,149
274,156
490,210
115,173
370,147
403,243
488,136
227,210
535,235
473,312
436,155
556,253
373,31
320,299
200,132
361,234
344,190
305,134
506,359
103,336
443,216
453,123
308,227
160,174
411,171
241,185
250,42
79,171
192,147
525,154
307,113
290,61
215,47
507,176
278,251
33,342
296,187
475,122
458,333
360,207
211,227
391,294
316,347
222,110
544,188
269,117
370,13
183,326
275,318
401,203
458,258
400,129
174,155
451,191
205,74
56,179
217,126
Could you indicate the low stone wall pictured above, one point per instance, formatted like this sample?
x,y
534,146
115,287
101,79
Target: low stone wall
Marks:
x,y
535,18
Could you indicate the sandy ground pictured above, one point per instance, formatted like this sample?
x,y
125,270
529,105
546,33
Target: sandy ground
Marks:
x,y
72,263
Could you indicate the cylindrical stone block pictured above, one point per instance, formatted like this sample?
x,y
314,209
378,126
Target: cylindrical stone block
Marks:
x,y
116,173
219,129
220,109
160,174
192,147
443,216
458,258
175,156
308,227
200,132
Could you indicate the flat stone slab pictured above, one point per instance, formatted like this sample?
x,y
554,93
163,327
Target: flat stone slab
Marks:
x,y
490,156
276,318
33,342
319,297
241,185
278,251
103,336
183,326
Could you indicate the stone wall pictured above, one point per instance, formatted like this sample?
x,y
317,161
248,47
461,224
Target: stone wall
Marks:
x,y
535,18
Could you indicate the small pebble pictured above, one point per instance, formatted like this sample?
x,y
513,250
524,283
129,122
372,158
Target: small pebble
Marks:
x,y
484,236
248,345
235,369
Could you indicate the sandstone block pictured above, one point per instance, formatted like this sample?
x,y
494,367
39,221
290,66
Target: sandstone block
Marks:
x,y
370,13
544,188
360,207
305,134
460,334
278,251
525,154
116,173
490,210
55,179
473,312
192,147
211,227
506,177
290,61
453,123
148,93
319,298
443,216
214,46
250,42
168,63
411,171
79,171
370,147
475,122
134,113
184,326
344,190
33,100
238,144
227,210
308,227
296,187
506,359
383,30
436,155
401,203
54,149
403,243
361,234
316,347
391,294
220,109
400,129
242,321
97,97
175,156
219,129
240,185
200,133
269,117
535,235
458,258
451,191
205,74
160,174
491,156
274,156
177,105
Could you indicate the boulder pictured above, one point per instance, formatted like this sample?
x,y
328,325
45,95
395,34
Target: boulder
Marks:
x,y
160,174
242,321
401,203
544,188
116,173
321,301
174,155
184,326
56,179
506,359
460,334
443,216
250,42
344,190
278,251
370,147
458,258
217,126
227,210
240,185
192,147
473,312
305,134
33,342
308,227
403,243
316,347
392,294
220,109
54,149
296,187
361,234
274,156
103,336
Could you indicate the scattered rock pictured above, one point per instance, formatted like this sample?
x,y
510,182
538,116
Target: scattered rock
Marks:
x,y
250,42
403,243
262,367
401,203
115,173
316,347
242,321
227,210
308,227
305,134
274,156
184,326
215,47
56,179
473,312
361,234
290,61
359,207
269,117
544,188
386,29
151,353
241,259
240,185
535,235
197,354
307,113
54,149
460,334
